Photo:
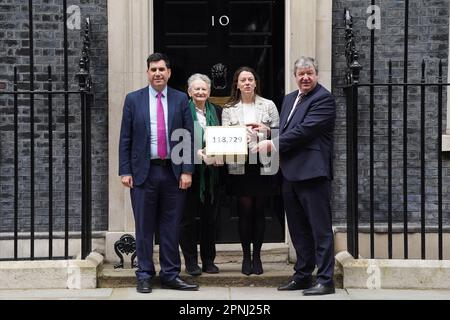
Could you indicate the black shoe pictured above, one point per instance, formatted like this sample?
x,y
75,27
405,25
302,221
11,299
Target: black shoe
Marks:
x,y
257,266
247,267
318,289
178,284
144,286
210,268
193,270
293,285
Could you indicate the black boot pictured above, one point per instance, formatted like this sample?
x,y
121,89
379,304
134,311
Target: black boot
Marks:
x,y
258,234
257,264
192,267
246,261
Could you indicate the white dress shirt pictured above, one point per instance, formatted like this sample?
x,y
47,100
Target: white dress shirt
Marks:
x,y
294,106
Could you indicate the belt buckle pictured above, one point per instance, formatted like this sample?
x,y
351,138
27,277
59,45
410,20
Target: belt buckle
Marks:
x,y
160,162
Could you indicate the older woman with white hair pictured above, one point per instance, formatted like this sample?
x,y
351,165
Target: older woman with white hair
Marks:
x,y
203,195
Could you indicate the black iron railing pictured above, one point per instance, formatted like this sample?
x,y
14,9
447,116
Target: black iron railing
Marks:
x,y
47,97
85,85
430,134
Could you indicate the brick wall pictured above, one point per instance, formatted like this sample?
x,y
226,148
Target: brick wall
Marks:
x,y
428,40
48,50
428,26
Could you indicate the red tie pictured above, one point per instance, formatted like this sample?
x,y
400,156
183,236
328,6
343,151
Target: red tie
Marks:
x,y
161,128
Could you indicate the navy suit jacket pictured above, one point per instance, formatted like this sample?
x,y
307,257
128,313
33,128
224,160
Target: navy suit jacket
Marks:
x,y
306,141
134,144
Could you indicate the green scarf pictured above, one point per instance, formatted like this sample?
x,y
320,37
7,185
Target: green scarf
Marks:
x,y
211,120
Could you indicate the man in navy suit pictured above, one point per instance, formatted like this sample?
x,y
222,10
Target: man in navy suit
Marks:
x,y
305,146
157,179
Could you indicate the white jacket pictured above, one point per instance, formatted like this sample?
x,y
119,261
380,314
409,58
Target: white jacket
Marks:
x,y
265,112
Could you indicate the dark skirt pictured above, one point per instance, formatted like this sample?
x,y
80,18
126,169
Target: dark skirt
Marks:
x,y
252,183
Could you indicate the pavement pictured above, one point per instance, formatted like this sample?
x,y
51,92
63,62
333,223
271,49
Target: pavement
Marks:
x,y
227,295
219,293
223,303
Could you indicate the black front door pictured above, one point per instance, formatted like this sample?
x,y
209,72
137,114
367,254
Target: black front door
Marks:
x,y
216,38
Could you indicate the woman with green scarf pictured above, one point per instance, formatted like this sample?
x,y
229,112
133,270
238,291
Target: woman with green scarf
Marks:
x,y
202,197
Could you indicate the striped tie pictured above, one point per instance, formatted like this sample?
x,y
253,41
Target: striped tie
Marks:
x,y
300,98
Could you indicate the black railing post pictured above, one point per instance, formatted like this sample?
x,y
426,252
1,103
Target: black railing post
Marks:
x,y
16,165
439,151
50,164
389,213
66,135
84,82
422,162
352,170
350,231
353,72
405,133
32,154
371,146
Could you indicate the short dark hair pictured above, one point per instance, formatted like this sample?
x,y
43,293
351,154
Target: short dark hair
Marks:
x,y
158,57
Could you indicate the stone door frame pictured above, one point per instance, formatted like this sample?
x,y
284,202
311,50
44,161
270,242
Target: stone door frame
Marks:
x,y
130,40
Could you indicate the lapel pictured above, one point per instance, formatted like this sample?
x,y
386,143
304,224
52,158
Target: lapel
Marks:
x,y
145,102
171,108
237,114
288,105
259,109
300,112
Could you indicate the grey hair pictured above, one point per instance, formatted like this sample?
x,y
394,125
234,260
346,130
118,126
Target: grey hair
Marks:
x,y
199,76
305,62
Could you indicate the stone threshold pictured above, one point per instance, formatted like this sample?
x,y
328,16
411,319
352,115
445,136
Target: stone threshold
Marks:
x,y
275,274
350,273
51,274
393,273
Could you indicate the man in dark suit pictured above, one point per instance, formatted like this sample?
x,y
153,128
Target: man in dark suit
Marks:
x,y
305,146
157,179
